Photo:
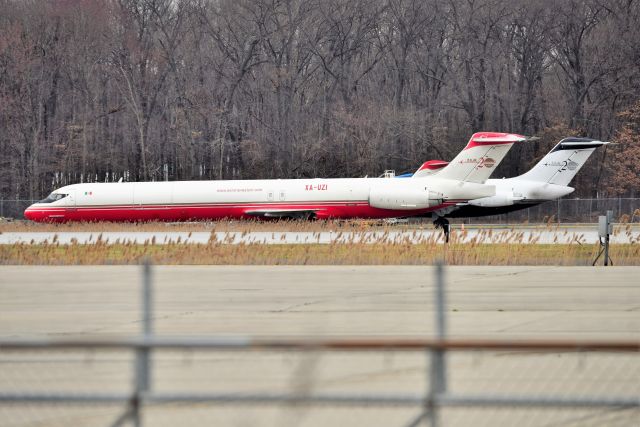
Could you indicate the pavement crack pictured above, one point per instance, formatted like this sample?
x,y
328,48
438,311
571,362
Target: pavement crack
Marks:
x,y
528,322
293,307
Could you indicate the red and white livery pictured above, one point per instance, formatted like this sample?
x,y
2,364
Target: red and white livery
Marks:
x,y
461,180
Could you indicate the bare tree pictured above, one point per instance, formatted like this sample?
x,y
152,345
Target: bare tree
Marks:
x,y
206,89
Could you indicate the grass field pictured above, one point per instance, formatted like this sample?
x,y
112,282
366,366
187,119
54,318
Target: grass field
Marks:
x,y
508,247
313,254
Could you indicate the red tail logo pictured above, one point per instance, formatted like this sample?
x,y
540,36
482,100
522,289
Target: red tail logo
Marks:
x,y
487,162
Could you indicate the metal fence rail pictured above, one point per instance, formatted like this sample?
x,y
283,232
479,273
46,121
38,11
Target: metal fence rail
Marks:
x,y
317,344
440,393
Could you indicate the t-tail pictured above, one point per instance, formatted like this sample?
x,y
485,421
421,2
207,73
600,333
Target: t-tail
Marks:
x,y
480,157
563,162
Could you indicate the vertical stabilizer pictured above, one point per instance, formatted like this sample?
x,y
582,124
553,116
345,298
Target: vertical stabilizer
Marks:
x,y
563,162
480,157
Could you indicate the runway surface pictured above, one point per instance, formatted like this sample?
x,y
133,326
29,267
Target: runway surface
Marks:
x,y
492,302
577,302
533,235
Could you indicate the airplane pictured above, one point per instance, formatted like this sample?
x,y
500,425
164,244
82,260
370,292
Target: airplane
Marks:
x,y
547,180
458,182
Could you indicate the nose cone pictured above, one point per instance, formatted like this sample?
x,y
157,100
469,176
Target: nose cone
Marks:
x,y
28,213
31,214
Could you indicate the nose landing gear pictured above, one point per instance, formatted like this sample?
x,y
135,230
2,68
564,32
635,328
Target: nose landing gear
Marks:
x,y
442,222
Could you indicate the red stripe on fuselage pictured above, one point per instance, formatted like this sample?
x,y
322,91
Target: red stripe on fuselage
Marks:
x,y
131,213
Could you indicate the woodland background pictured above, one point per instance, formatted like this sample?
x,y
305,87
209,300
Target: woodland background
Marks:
x,y
98,90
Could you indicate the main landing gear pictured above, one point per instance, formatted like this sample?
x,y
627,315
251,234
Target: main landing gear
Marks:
x,y
442,222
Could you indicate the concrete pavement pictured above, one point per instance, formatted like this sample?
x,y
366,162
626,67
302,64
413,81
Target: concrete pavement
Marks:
x,y
496,302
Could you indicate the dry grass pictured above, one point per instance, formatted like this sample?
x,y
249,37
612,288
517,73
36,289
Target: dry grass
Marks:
x,y
313,254
508,247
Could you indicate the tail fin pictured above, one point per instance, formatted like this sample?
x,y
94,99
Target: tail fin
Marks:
x,y
563,162
430,167
476,162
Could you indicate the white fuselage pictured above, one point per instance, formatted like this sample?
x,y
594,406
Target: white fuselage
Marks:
x,y
511,191
324,198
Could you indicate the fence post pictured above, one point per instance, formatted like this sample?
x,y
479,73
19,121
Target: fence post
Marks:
x,y
609,230
619,208
558,212
438,377
143,365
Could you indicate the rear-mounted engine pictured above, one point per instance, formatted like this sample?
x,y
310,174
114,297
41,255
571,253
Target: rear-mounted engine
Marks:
x,y
403,195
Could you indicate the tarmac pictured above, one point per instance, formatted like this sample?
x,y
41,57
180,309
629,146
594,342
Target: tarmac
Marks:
x,y
482,302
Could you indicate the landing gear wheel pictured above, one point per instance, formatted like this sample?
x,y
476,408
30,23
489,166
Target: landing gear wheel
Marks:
x,y
442,222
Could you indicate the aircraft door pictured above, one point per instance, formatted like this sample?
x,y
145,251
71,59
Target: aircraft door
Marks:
x,y
71,201
283,195
70,210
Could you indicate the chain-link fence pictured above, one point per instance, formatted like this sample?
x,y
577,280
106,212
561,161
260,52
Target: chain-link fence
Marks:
x,y
14,209
533,387
289,381
560,211
569,211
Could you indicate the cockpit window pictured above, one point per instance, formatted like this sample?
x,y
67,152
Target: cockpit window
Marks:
x,y
53,197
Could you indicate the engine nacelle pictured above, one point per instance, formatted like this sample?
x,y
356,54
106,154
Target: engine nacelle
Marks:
x,y
495,201
403,195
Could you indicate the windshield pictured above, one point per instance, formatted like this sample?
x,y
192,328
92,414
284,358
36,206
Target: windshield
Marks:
x,y
53,197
